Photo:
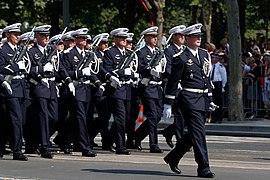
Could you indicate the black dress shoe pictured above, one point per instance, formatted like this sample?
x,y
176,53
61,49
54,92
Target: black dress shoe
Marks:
x,y
89,153
168,139
155,149
206,174
47,154
124,152
138,145
109,148
19,157
173,166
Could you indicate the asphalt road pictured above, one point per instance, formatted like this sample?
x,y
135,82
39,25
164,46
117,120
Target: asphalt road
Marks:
x,y
231,158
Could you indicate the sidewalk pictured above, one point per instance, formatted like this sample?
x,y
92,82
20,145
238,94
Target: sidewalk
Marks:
x,y
257,127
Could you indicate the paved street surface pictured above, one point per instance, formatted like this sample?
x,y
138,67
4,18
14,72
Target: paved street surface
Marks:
x,y
231,158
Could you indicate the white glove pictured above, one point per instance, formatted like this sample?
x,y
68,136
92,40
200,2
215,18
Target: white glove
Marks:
x,y
21,65
127,72
213,107
167,111
136,75
223,90
158,68
115,82
7,87
86,71
45,82
48,67
71,88
155,73
102,88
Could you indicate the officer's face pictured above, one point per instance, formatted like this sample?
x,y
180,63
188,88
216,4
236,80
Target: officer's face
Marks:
x,y
129,45
80,41
121,42
193,41
69,43
102,45
60,47
13,37
178,39
42,39
151,40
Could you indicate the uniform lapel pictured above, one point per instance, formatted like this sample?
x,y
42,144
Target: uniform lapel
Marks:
x,y
193,58
200,58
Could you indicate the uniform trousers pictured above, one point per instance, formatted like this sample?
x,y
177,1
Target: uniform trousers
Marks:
x,y
152,111
14,108
195,121
101,123
121,114
48,114
79,113
64,125
5,128
177,128
31,127
130,126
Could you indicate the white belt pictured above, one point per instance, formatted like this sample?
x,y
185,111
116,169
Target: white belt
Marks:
x,y
18,76
86,82
155,82
50,79
195,90
126,82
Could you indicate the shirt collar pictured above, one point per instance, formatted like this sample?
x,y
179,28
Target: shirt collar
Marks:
x,y
121,50
151,49
194,52
41,48
79,50
178,47
12,46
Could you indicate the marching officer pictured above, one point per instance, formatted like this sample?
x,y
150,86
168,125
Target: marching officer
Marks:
x,y
44,91
192,67
99,100
64,125
130,41
150,90
218,77
119,93
73,62
31,124
175,48
14,90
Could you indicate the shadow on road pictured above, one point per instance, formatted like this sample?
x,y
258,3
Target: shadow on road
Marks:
x,y
266,159
140,172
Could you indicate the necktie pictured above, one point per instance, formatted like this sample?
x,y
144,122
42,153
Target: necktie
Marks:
x,y
198,58
82,53
213,72
123,53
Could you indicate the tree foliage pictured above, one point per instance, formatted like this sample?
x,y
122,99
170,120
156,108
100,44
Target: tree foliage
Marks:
x,y
105,15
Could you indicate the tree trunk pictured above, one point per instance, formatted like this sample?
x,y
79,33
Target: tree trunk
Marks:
x,y
235,78
207,19
160,4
